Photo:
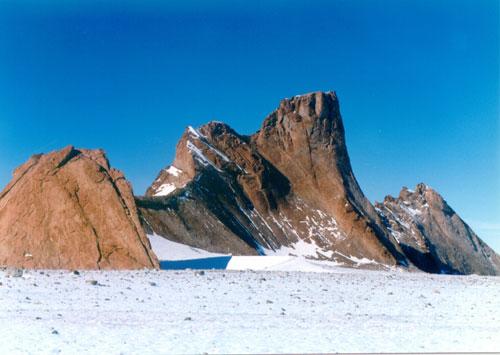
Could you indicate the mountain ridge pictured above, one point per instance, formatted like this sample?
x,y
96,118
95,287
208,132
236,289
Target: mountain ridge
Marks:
x,y
287,189
297,160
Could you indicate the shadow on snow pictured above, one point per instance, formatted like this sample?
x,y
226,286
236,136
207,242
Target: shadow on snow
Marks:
x,y
219,262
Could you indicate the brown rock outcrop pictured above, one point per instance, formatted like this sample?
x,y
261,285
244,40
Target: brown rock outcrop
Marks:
x,y
70,209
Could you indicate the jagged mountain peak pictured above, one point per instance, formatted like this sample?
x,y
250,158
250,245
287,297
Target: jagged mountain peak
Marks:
x,y
421,189
420,199
432,234
214,128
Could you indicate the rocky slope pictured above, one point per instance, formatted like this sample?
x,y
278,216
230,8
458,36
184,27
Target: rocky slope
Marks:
x,y
70,209
433,236
287,189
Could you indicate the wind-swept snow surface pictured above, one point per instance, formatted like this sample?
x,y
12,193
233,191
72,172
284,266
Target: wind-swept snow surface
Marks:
x,y
153,312
168,250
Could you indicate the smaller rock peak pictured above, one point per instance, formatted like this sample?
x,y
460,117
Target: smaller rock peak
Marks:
x,y
97,155
422,194
68,149
216,128
389,198
421,187
210,130
61,157
406,193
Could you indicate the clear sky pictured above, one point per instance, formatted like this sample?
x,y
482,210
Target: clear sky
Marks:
x,y
418,83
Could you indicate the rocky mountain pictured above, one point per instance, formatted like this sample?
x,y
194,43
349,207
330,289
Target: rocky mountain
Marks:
x,y
433,236
70,209
287,189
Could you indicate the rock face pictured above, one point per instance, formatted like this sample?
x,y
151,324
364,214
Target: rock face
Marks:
x,y
433,236
287,189
70,209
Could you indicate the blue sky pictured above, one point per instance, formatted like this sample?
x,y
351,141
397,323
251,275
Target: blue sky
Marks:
x,y
418,84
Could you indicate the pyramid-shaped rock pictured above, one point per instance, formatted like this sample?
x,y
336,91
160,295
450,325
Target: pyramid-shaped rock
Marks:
x,y
70,209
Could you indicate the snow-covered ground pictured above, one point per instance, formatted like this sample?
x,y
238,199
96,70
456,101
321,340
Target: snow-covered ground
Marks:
x,y
168,250
174,255
151,312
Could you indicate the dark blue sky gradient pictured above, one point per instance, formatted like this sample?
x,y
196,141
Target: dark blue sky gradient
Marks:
x,y
418,84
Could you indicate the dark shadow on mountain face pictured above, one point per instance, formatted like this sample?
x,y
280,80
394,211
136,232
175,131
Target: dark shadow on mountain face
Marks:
x,y
427,262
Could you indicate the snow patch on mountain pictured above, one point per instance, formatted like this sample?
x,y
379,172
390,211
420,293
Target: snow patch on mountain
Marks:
x,y
172,170
199,136
200,157
165,190
194,132
301,248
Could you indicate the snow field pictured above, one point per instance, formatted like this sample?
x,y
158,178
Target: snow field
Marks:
x,y
151,312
